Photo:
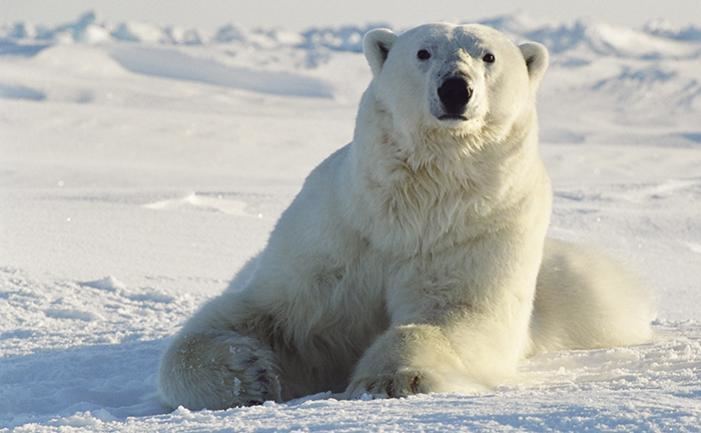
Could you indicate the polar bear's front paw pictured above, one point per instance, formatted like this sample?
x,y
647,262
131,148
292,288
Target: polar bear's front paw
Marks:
x,y
253,376
218,371
402,383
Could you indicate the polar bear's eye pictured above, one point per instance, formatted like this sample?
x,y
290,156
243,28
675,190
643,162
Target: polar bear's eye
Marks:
x,y
423,55
489,58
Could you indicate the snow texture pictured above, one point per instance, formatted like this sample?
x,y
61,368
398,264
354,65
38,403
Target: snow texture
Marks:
x,y
142,166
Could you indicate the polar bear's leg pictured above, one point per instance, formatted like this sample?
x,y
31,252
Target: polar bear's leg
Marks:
x,y
396,364
453,328
218,370
586,300
222,357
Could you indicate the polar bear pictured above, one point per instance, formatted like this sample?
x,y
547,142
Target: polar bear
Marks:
x,y
415,258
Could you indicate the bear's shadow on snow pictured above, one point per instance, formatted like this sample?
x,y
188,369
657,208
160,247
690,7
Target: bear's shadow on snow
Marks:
x,y
112,381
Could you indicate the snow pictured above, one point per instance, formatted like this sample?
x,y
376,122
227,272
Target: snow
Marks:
x,y
166,63
143,166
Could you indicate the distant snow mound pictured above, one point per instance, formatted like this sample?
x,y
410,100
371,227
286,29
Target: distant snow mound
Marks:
x,y
514,24
168,63
632,87
8,91
345,38
665,29
600,38
202,202
258,38
657,39
108,284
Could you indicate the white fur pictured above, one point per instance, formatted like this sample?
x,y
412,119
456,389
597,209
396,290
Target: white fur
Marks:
x,y
408,262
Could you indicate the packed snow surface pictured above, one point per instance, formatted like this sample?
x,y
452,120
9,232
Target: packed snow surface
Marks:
x,y
142,166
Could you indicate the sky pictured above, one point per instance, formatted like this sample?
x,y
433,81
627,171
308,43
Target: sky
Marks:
x,y
299,14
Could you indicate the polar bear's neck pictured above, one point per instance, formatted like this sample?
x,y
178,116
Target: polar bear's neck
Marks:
x,y
484,161
429,182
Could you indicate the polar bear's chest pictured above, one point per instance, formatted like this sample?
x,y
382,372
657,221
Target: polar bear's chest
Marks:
x,y
419,218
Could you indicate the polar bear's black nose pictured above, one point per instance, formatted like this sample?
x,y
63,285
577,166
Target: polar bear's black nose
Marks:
x,y
454,94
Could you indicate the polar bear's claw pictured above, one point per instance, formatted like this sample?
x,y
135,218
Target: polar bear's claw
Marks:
x,y
397,385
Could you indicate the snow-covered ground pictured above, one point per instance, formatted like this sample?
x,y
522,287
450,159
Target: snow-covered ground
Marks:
x,y
142,166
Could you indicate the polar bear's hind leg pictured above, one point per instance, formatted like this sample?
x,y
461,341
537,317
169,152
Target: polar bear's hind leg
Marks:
x,y
586,300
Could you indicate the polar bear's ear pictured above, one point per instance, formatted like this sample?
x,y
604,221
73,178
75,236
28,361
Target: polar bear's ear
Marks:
x,y
376,46
536,56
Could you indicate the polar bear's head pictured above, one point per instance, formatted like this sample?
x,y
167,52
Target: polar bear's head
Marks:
x,y
459,79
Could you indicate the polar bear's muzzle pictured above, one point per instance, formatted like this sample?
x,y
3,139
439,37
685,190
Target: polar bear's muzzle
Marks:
x,y
454,94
